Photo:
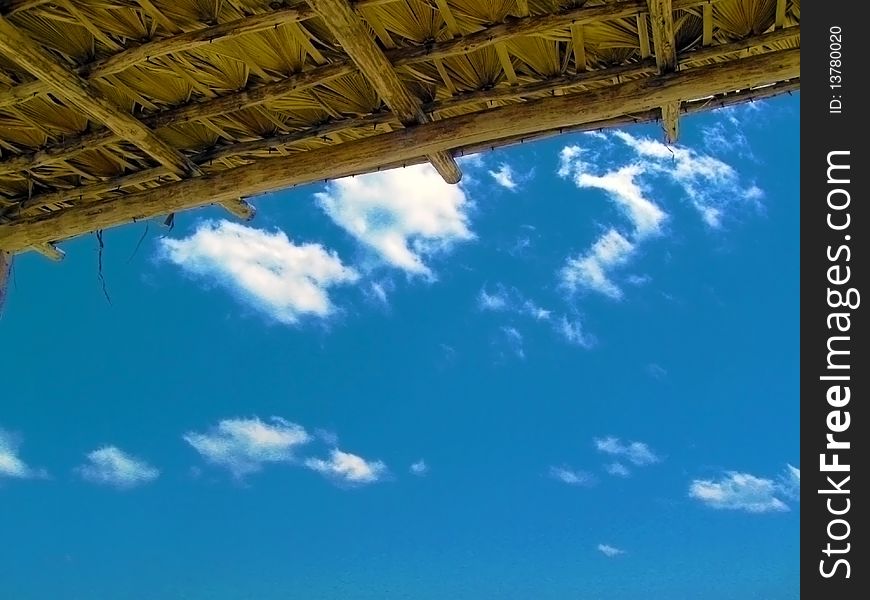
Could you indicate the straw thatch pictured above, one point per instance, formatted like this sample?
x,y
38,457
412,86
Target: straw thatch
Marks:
x,y
113,111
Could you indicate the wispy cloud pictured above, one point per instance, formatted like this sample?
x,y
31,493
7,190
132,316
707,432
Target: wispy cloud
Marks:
x,y
638,454
506,177
348,468
746,492
609,551
590,271
728,132
613,248
11,464
265,269
419,468
790,483
510,300
617,469
113,467
513,339
711,185
243,446
656,371
574,333
572,476
404,215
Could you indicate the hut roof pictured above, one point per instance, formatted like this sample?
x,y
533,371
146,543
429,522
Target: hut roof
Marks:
x,y
112,111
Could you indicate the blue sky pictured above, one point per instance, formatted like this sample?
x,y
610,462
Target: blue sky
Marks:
x,y
575,375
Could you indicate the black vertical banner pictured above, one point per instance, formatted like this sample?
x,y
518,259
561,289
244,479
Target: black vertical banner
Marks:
x,y
834,263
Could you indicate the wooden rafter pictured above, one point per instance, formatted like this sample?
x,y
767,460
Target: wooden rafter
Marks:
x,y
707,25
348,158
779,21
194,39
42,65
350,32
664,44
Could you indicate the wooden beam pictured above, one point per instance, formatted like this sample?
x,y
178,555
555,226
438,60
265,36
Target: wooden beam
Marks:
x,y
459,101
194,39
449,19
661,14
368,154
29,55
158,16
527,26
50,251
691,107
779,21
239,208
671,120
643,35
504,58
348,29
523,8
755,41
707,25
579,47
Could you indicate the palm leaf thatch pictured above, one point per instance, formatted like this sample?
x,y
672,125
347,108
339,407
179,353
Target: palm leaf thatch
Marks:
x,y
111,109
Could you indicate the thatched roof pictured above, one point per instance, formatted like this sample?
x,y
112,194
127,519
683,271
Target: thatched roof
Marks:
x,y
117,110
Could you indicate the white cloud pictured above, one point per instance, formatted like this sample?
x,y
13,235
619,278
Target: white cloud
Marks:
x,y
419,468
656,371
572,476
573,332
348,468
113,467
506,177
514,340
739,491
11,464
243,446
267,270
503,299
624,189
496,301
727,133
637,453
590,271
790,483
536,312
617,469
711,185
609,551
405,215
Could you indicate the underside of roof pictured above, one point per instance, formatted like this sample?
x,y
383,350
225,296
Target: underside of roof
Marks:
x,y
114,111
